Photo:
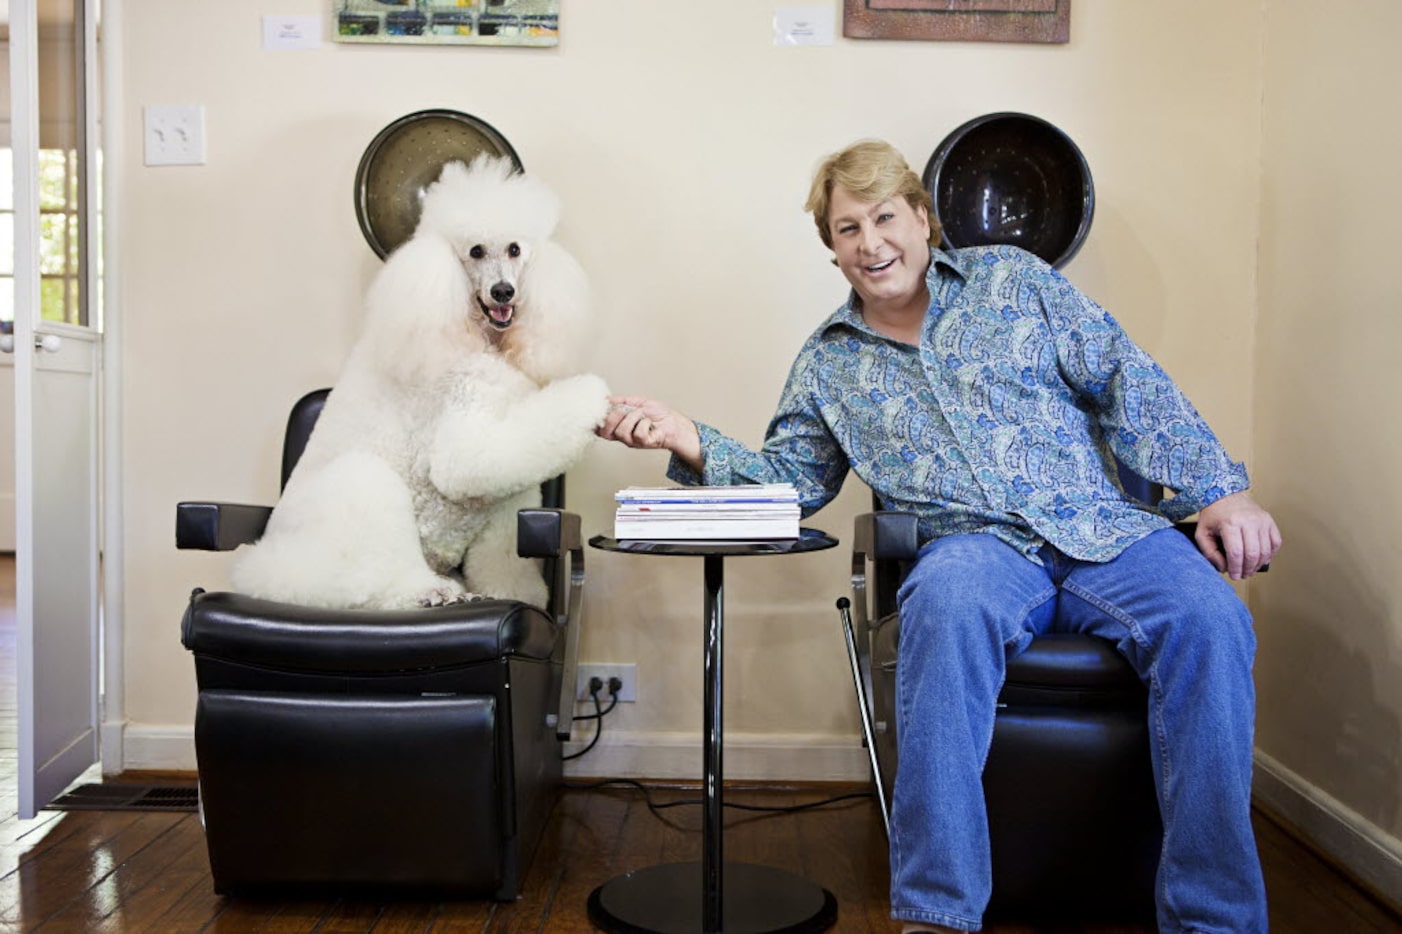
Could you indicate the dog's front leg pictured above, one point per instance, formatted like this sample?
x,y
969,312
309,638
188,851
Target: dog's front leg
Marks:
x,y
476,455
491,566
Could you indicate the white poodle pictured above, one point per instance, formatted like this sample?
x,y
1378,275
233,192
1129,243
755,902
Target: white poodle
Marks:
x,y
462,396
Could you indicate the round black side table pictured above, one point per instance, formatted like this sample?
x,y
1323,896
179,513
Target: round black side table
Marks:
x,y
713,895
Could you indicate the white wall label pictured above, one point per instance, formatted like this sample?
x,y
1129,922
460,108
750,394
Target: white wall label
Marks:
x,y
803,25
291,32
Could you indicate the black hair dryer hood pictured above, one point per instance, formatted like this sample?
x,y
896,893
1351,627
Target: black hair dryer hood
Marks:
x,y
1012,178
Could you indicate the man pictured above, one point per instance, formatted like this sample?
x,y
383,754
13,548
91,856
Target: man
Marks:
x,y
980,390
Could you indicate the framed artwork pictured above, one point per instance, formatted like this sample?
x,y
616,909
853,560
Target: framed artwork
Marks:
x,y
447,22
958,20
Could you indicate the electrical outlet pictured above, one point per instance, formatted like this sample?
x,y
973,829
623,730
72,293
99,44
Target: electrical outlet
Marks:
x,y
628,674
174,135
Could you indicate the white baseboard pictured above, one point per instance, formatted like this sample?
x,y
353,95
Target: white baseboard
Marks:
x,y
768,757
747,756
165,748
1369,853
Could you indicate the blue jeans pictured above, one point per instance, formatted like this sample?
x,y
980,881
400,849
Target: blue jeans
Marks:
x,y
968,605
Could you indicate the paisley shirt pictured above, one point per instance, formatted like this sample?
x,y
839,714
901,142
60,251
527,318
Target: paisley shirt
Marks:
x,y
1003,421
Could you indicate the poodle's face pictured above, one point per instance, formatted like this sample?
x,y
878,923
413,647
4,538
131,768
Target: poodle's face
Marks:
x,y
494,269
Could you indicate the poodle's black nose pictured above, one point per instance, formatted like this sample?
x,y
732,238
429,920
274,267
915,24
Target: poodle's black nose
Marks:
x,y
503,292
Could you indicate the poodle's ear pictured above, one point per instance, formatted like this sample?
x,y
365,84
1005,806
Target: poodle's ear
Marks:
x,y
419,309
554,334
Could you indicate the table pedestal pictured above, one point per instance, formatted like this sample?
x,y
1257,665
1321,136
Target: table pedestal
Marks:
x,y
667,899
713,896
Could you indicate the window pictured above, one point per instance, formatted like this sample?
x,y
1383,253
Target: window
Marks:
x,y
60,276
58,236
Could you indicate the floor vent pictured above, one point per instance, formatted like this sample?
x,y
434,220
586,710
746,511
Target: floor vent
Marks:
x,y
119,797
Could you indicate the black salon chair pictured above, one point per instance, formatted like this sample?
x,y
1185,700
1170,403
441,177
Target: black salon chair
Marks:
x,y
401,751
1073,819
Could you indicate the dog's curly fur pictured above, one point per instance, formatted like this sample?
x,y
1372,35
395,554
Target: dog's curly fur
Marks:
x,y
461,397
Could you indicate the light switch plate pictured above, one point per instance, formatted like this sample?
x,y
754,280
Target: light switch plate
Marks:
x,y
174,135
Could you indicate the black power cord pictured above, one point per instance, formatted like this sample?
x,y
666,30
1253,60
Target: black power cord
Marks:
x,y
595,686
615,686
696,802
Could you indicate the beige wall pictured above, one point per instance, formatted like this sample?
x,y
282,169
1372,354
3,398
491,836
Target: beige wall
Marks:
x,y
681,140
1329,433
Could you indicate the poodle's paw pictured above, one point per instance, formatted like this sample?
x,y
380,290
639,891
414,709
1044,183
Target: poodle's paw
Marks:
x,y
583,397
445,593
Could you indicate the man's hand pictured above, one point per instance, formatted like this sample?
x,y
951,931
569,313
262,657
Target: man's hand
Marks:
x,y
1237,535
646,423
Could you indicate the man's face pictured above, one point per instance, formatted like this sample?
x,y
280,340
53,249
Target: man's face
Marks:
x,y
882,248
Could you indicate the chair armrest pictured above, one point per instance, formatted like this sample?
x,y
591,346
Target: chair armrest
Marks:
x,y
883,536
547,533
218,526
886,539
555,534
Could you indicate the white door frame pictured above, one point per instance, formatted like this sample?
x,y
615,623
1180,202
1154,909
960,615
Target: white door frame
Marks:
x,y
113,714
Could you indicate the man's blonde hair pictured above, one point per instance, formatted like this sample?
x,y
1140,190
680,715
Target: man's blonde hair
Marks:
x,y
873,170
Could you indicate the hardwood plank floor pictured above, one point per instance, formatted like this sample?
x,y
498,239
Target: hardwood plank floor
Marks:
x,y
122,872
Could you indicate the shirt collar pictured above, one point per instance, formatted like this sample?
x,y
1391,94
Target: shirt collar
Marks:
x,y
940,257
849,316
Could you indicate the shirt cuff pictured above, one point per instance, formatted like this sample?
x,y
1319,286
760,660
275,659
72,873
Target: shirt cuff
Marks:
x,y
1180,507
678,471
717,452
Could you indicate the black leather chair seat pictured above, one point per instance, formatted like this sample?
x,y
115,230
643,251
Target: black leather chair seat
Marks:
x,y
1072,671
1055,670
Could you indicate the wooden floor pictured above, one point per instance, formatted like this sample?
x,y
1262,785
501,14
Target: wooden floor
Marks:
x,y
110,871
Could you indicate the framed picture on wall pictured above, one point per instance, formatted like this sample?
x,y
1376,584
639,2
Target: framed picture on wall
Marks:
x,y
958,20
448,22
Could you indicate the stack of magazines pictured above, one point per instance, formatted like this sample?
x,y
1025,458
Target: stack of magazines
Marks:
x,y
719,513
